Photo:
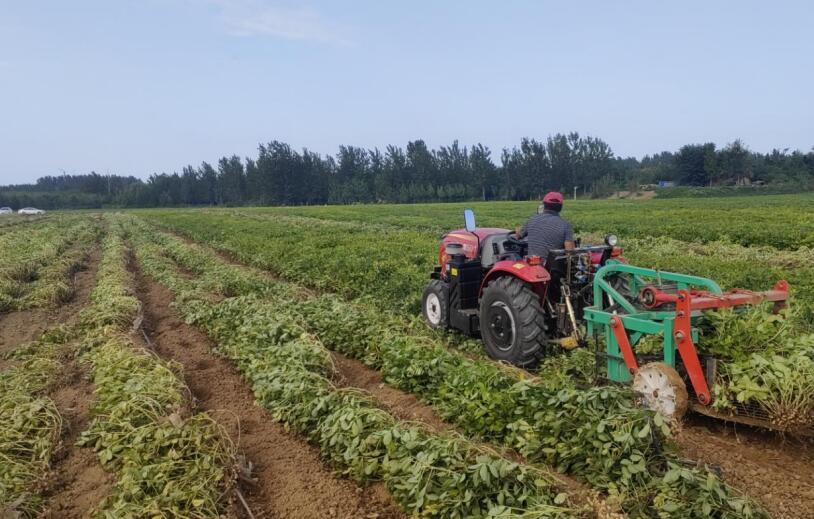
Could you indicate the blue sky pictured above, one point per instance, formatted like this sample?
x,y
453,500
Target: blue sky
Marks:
x,y
137,87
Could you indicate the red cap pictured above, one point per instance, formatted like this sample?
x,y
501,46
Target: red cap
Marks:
x,y
553,197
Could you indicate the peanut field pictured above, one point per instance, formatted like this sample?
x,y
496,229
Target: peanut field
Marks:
x,y
272,362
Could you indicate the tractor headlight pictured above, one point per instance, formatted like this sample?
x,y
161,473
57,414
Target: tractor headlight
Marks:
x,y
611,240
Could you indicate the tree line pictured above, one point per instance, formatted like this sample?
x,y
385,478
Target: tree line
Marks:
x,y
282,175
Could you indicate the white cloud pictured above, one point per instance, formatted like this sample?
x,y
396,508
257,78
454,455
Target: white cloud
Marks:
x,y
257,18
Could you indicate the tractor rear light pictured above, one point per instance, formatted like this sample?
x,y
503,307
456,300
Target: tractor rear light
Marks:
x,y
616,252
534,260
452,249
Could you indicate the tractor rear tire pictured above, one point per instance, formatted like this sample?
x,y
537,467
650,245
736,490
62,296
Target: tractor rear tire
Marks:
x,y
512,322
435,305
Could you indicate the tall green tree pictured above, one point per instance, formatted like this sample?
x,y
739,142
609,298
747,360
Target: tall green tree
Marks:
x,y
690,161
231,181
483,172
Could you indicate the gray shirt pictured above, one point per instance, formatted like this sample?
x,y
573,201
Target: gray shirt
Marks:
x,y
546,231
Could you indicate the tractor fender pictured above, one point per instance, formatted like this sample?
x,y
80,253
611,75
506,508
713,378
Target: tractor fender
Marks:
x,y
533,274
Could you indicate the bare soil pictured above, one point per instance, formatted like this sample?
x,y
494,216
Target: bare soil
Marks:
x,y
77,482
291,479
776,472
18,328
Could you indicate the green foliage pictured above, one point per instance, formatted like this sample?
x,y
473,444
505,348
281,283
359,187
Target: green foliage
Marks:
x,y
768,362
386,252
782,188
430,475
30,427
167,463
38,259
30,424
29,433
598,434
66,191
281,175
735,334
568,369
424,473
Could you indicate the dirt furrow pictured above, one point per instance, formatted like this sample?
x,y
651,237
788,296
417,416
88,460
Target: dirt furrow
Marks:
x,y
777,472
404,406
77,481
291,479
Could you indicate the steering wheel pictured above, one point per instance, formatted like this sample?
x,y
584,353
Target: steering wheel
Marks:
x,y
510,239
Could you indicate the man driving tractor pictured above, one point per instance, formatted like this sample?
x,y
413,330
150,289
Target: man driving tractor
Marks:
x,y
548,230
528,298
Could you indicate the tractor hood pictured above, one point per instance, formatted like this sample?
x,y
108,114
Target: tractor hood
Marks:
x,y
469,240
480,232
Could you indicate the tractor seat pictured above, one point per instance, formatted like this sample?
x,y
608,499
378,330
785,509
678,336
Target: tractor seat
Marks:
x,y
492,249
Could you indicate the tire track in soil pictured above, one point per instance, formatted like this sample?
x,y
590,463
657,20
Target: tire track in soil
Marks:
x,y
778,473
292,481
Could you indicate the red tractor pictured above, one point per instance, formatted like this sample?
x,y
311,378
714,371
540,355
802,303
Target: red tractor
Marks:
x,y
486,285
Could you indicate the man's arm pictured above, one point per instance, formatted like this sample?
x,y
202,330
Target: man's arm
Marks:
x,y
522,232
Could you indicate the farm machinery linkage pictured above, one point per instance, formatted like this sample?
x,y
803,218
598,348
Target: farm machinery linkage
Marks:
x,y
486,285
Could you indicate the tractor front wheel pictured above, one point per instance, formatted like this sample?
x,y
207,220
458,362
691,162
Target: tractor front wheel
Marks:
x,y
435,304
512,323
